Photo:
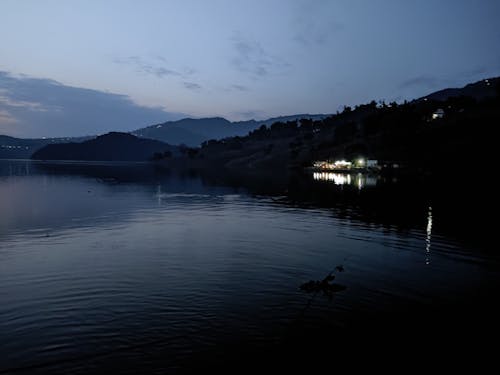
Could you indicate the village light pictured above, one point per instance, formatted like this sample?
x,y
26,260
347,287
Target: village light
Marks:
x,y
342,164
361,162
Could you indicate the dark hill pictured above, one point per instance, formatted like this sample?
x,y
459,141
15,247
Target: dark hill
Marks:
x,y
486,88
112,146
192,132
408,136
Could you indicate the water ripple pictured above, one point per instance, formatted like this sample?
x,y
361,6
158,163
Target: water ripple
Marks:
x,y
125,273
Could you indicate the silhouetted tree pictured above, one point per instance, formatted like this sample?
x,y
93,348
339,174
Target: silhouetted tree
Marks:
x,y
347,109
157,156
306,123
192,152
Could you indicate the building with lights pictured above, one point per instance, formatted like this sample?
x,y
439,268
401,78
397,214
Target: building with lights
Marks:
x,y
438,113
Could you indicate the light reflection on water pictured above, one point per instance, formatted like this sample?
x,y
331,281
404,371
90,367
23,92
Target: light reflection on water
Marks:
x,y
167,266
428,236
359,180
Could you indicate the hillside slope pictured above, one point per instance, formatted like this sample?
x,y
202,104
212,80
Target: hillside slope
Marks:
x,y
462,138
192,132
112,146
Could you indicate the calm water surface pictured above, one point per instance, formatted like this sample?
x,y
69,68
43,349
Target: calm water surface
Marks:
x,y
115,266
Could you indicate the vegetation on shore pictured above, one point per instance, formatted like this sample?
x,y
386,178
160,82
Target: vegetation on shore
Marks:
x,y
424,135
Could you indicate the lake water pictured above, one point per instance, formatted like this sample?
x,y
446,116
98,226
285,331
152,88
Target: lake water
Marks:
x,y
127,267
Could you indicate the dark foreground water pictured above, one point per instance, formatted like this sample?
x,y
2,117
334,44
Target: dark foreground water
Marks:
x,y
134,269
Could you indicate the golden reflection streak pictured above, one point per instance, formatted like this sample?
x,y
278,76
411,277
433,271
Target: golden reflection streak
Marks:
x,y
337,178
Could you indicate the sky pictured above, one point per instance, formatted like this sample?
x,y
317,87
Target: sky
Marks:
x,y
79,67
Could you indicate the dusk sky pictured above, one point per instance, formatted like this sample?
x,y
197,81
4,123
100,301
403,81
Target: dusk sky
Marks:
x,y
71,68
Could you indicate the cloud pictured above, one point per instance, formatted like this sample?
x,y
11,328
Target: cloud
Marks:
x,y
7,123
6,102
191,86
155,66
428,82
239,88
35,107
252,59
6,118
314,23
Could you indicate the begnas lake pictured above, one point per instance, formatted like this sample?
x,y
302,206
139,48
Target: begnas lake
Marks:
x,y
117,266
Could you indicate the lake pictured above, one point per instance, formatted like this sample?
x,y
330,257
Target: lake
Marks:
x,y
133,268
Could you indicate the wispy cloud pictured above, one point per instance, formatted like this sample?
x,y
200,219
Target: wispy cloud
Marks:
x,y
314,22
6,101
6,117
252,59
157,66
191,86
239,88
423,81
35,107
7,123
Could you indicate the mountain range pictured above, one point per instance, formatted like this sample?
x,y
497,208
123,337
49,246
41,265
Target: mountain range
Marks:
x,y
192,132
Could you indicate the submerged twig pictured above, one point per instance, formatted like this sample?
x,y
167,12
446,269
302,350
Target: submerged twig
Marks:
x,y
326,286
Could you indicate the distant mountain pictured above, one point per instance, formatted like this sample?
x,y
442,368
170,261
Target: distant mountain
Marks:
x,y
486,88
192,132
20,148
112,146
188,131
